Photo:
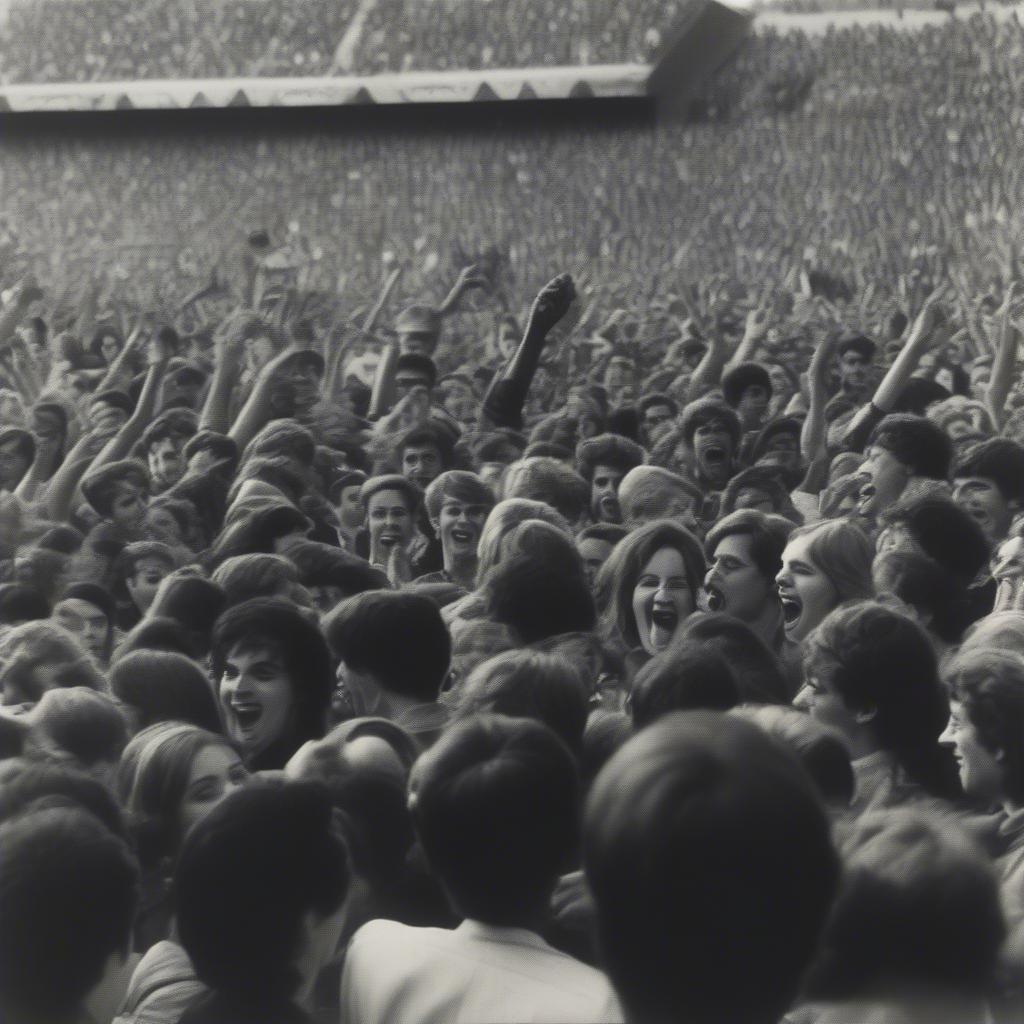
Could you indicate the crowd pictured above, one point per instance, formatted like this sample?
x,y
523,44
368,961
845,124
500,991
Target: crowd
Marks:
x,y
389,635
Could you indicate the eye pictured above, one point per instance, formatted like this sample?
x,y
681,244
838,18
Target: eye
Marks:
x,y
230,671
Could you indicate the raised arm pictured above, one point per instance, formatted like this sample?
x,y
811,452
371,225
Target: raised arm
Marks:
x,y
228,350
469,277
1005,361
753,334
813,433
258,409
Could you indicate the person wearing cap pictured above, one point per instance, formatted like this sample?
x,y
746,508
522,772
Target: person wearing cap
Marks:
x,y
603,461
17,452
344,496
855,354
86,611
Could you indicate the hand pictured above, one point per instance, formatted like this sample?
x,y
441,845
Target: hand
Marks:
x,y
164,346
399,567
757,323
471,277
821,361
552,303
931,314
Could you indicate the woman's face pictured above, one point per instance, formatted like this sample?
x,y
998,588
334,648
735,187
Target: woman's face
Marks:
x,y
662,599
806,593
256,696
216,771
109,349
981,774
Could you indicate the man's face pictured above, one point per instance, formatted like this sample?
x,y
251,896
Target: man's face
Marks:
x,y
620,385
604,494
462,404
657,419
166,466
753,407
783,449
594,553
418,342
421,463
145,581
350,508
734,584
390,522
13,465
884,479
984,502
853,371
128,509
712,448
259,351
409,379
304,384
87,623
459,527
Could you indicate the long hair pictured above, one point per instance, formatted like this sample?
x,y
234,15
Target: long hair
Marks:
x,y
502,519
843,552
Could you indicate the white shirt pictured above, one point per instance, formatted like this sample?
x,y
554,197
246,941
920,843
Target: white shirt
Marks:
x,y
474,974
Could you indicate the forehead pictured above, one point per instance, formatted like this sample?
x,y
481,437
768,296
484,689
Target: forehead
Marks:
x,y
74,606
427,448
251,650
736,545
713,423
603,469
799,549
388,499
594,547
665,561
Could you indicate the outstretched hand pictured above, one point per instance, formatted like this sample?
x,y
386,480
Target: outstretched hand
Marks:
x,y
552,302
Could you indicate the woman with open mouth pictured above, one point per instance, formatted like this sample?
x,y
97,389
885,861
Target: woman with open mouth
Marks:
x,y
823,565
651,581
274,679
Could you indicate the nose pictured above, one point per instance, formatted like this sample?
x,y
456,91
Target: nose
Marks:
x,y
802,701
782,579
710,577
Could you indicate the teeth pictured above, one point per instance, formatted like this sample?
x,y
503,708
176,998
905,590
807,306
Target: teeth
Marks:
x,y
715,601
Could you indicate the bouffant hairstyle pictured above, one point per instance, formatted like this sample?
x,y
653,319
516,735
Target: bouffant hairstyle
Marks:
x,y
743,376
618,576
704,411
682,679
924,447
998,459
460,486
502,520
542,478
163,686
607,450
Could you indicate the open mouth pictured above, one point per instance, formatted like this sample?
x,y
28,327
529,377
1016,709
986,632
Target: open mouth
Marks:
x,y
247,714
664,620
867,492
792,608
714,455
462,537
715,600
389,540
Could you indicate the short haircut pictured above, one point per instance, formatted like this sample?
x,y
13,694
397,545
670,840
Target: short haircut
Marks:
x,y
922,446
249,873
177,424
619,574
768,479
85,724
768,535
458,485
307,661
220,446
243,577
284,437
279,471
998,459
990,686
428,434
542,478
130,557
397,637
745,375
607,450
100,487
704,411
34,645
68,896
654,398
320,565
653,492
918,908
610,533
496,806
711,864
161,686
19,603
159,633
923,584
682,679
411,494
524,683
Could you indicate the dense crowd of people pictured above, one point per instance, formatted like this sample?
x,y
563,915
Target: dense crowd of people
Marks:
x,y
389,635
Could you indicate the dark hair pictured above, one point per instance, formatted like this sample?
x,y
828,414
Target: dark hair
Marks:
x,y
918,907
68,895
158,633
428,434
702,412
25,441
879,660
998,459
19,603
743,376
399,638
165,686
921,445
243,577
282,472
653,398
284,437
134,553
418,363
768,535
460,485
605,733
220,446
769,479
682,678
192,600
249,872
923,584
87,725
496,806
392,482
610,533
709,857
607,450
99,488
177,424
320,565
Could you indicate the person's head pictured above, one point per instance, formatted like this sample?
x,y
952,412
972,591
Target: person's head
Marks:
x,y
924,589
171,775
260,889
391,641
503,519
391,504
986,724
119,492
917,911
424,453
855,354
657,411
243,577
871,673
988,483
175,521
193,601
86,611
603,461
458,504
542,478
711,431
651,581
778,445
163,686
493,452
68,895
20,603
39,656
328,574
526,683
17,450
744,551
143,566
758,487
595,543
748,389
652,492
414,370
999,631
495,803
163,444
297,384
823,565
682,678
344,495
620,382
709,857
109,411
901,447
419,329
274,680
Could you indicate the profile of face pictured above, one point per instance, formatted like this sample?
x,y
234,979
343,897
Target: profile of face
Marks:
x,y
604,494
753,406
461,403
166,464
713,452
421,463
459,526
356,694
351,512
854,371
883,480
144,582
823,702
594,552
657,420
806,593
981,773
983,501
13,465
390,522
256,696
87,623
662,599
216,772
128,509
734,584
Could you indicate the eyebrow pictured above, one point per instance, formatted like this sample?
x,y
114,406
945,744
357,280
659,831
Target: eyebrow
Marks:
x,y
800,564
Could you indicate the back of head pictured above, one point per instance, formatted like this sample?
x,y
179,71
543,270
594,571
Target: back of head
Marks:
x,y
495,803
87,725
242,577
922,446
68,894
541,478
249,873
682,678
1003,630
709,857
162,686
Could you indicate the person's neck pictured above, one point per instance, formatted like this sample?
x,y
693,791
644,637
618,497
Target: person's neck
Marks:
x,y
768,623
862,744
396,704
461,570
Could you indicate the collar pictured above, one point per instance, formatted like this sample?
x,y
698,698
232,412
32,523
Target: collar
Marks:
x,y
499,933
